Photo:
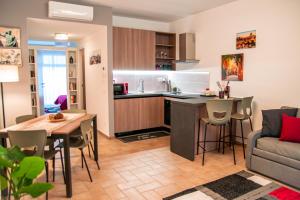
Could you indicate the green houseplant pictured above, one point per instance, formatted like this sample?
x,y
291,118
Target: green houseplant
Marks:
x,y
19,173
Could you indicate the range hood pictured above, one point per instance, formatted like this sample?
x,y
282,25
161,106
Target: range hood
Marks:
x,y
187,51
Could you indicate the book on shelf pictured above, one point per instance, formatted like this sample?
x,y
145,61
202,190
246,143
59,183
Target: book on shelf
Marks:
x,y
31,59
33,101
73,98
33,88
32,73
72,86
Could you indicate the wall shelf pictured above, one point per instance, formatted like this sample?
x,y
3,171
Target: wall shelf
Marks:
x,y
165,51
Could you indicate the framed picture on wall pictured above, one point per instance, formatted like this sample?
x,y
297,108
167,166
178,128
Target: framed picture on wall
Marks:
x,y
95,58
10,37
246,40
233,67
10,56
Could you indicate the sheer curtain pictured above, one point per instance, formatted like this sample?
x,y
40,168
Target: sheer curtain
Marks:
x,y
53,67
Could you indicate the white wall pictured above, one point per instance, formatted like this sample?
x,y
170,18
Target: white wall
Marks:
x,y
272,69
128,22
98,79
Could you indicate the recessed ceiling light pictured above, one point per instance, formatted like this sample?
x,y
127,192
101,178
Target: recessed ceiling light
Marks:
x,y
61,36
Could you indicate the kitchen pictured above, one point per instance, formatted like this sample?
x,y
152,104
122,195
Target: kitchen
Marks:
x,y
145,86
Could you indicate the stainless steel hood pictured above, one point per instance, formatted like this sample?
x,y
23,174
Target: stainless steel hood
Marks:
x,y
187,48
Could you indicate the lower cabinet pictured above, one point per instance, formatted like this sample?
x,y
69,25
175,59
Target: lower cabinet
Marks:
x,y
138,113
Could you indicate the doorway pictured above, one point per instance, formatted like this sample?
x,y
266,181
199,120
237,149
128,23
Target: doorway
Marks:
x,y
52,78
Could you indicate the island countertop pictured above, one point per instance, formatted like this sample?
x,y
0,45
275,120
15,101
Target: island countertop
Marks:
x,y
199,100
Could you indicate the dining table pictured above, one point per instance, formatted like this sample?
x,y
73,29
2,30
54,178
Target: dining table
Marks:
x,y
58,130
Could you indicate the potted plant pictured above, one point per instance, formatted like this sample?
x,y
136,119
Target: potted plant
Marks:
x,y
19,173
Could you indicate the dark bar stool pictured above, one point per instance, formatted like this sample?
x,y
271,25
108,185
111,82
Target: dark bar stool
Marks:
x,y
245,115
219,114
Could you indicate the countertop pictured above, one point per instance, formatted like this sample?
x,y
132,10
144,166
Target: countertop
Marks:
x,y
200,100
158,94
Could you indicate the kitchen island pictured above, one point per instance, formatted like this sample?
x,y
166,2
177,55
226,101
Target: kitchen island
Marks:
x,y
185,115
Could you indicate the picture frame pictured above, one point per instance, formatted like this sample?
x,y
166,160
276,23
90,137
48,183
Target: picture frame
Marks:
x,y
232,67
10,56
10,37
95,58
246,40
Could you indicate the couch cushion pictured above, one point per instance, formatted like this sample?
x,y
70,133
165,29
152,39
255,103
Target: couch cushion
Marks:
x,y
271,125
274,145
277,158
290,131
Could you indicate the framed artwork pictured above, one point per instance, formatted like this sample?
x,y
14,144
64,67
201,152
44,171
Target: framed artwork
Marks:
x,y
246,40
95,58
10,37
10,56
232,67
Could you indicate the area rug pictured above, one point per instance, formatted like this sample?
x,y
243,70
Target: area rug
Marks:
x,y
239,186
143,136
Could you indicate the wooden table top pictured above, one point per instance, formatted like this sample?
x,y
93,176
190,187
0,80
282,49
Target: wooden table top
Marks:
x,y
71,123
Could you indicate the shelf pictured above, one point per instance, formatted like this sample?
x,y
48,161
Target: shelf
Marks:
x,y
72,77
31,63
33,106
73,103
73,90
165,45
159,58
72,63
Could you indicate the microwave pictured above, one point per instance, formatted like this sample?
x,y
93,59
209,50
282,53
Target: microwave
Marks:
x,y
120,88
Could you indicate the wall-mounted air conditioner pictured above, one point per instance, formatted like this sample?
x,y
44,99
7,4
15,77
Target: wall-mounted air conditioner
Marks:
x,y
70,11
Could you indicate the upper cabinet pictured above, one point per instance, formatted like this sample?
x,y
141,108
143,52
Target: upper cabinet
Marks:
x,y
133,49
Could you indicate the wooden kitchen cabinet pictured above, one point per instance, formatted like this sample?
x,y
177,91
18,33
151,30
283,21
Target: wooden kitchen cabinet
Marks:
x,y
138,113
122,48
126,114
133,49
152,112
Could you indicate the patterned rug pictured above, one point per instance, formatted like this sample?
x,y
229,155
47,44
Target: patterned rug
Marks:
x,y
239,186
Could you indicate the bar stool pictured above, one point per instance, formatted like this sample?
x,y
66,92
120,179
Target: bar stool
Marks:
x,y
219,114
245,115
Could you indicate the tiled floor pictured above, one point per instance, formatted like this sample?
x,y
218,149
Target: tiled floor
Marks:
x,y
142,170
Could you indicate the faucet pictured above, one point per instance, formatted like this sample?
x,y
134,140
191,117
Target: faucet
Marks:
x,y
141,86
167,83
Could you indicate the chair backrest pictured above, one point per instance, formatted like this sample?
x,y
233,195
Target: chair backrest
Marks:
x,y
24,118
29,139
246,106
219,111
87,131
74,111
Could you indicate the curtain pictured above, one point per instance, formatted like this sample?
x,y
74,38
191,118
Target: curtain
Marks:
x,y
52,64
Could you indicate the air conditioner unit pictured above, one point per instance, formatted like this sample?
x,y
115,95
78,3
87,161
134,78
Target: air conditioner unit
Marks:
x,y
70,11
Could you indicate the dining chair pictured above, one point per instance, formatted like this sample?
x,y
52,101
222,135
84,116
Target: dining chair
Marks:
x,y
246,108
33,143
219,114
77,133
24,118
83,141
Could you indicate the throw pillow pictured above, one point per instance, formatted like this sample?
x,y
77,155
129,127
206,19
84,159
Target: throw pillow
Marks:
x,y
271,125
290,129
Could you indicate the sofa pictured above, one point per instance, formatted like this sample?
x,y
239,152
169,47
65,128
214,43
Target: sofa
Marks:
x,y
274,158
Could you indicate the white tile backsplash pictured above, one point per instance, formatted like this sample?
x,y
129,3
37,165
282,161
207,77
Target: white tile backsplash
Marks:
x,y
188,82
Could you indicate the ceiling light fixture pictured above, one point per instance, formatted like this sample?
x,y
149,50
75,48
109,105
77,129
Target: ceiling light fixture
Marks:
x,y
61,36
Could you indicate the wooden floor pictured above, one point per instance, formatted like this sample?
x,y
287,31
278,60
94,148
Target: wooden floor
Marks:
x,y
142,170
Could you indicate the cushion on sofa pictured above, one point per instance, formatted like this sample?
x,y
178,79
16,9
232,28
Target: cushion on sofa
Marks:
x,y
271,125
274,145
290,131
277,158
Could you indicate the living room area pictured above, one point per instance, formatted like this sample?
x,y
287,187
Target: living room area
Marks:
x,y
174,100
